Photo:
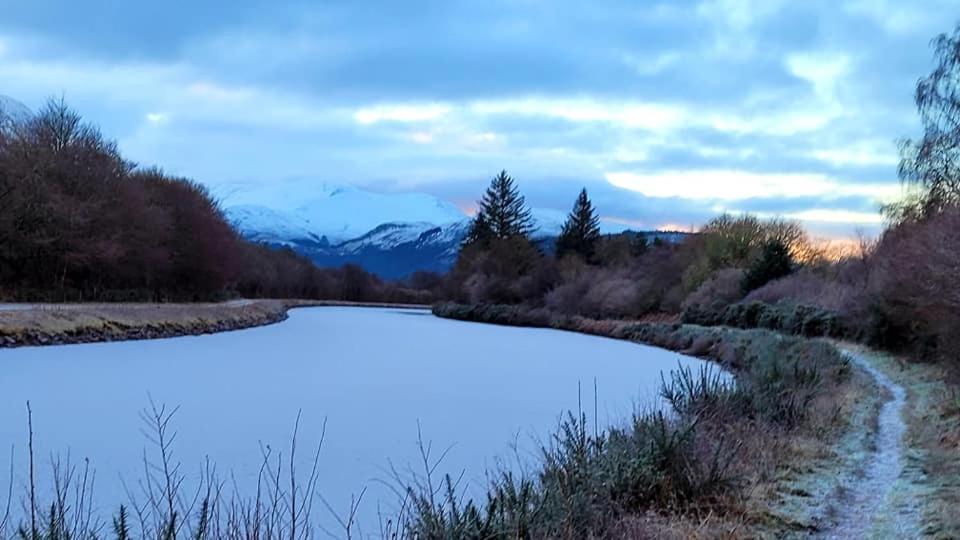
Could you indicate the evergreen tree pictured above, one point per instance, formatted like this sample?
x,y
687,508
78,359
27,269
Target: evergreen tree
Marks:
x,y
639,245
504,210
479,233
121,529
581,231
775,262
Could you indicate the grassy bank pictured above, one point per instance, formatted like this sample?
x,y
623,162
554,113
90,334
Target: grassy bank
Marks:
x,y
758,457
57,324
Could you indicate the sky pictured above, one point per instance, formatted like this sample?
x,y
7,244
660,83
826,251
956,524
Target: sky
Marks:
x,y
667,112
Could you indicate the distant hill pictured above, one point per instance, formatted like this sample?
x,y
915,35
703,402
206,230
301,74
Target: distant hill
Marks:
x,y
12,110
391,235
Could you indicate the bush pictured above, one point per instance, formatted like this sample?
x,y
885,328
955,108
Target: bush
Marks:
x,y
584,483
913,306
731,241
700,454
724,287
774,262
796,319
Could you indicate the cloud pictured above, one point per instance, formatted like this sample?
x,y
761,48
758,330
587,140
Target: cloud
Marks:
x,y
837,216
401,113
158,118
734,185
822,70
421,137
635,114
862,153
898,17
667,111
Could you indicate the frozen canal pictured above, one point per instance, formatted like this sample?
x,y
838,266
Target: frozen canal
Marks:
x,y
372,374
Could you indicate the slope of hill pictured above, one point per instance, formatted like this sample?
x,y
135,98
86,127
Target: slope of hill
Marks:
x,y
12,110
389,234
333,211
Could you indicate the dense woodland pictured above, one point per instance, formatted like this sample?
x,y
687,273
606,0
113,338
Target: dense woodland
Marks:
x,y
78,222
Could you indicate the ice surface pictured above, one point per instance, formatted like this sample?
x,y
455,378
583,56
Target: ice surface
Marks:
x,y
373,374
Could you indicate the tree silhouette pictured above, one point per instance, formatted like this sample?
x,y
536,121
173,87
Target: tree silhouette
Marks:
x,y
581,231
775,262
503,212
479,233
79,222
932,163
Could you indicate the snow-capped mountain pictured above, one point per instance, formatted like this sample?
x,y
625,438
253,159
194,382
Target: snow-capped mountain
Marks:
x,y
390,234
263,224
325,210
12,111
396,250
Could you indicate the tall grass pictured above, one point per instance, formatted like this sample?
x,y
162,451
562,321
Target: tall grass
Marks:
x,y
709,458
670,462
161,506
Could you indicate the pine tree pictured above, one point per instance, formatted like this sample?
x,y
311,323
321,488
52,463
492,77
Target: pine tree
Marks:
x,y
504,209
581,231
479,233
120,527
775,262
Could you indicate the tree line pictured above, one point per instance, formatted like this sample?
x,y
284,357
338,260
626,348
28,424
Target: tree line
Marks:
x,y
899,291
79,222
614,275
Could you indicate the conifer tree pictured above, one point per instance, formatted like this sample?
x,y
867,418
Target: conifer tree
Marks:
x,y
503,212
581,231
479,233
774,262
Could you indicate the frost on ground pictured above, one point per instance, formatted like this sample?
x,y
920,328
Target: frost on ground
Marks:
x,y
879,499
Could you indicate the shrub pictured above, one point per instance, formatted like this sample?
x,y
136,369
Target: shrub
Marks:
x,y
913,305
839,287
797,319
724,286
699,454
584,484
774,262
729,241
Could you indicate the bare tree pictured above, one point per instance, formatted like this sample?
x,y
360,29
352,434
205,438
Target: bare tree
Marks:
x,y
931,165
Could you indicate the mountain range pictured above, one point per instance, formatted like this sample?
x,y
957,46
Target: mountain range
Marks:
x,y
12,110
389,234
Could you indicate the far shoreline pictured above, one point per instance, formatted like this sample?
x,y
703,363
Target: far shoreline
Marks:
x,y
42,324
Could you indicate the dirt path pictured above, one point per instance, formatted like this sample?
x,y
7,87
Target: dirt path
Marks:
x,y
878,502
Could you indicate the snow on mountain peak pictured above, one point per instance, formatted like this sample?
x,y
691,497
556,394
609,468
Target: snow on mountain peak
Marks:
x,y
12,110
335,211
549,222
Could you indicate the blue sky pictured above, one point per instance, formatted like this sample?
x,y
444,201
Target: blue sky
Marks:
x,y
668,112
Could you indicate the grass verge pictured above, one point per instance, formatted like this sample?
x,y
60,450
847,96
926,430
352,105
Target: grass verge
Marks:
x,y
769,442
